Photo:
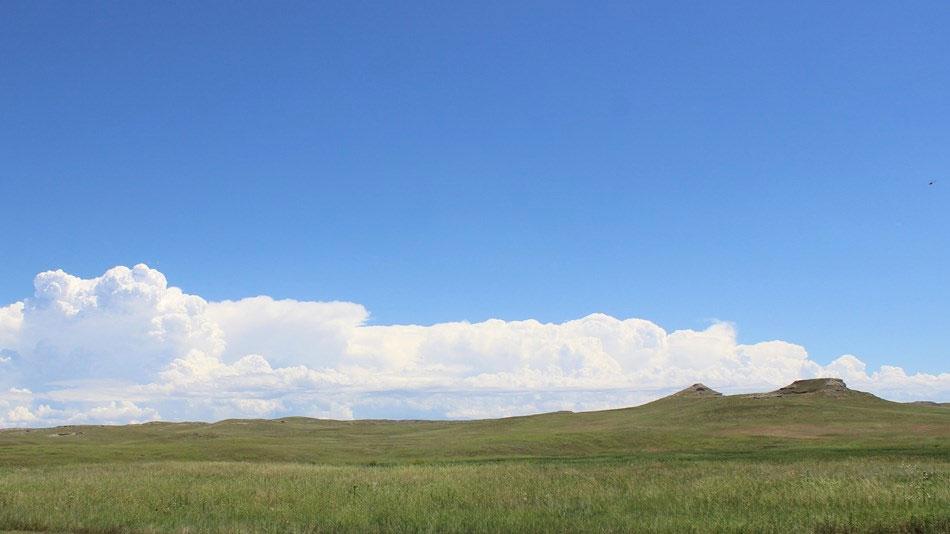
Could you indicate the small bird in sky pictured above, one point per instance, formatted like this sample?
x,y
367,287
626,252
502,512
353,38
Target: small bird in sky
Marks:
x,y
932,182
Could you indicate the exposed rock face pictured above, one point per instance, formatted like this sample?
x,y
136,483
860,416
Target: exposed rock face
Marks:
x,y
827,387
697,391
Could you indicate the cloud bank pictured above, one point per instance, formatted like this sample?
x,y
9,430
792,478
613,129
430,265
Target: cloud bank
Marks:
x,y
127,347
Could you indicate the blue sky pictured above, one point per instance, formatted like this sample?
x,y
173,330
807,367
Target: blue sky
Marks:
x,y
760,163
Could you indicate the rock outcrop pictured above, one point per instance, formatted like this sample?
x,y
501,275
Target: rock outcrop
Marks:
x,y
825,387
697,391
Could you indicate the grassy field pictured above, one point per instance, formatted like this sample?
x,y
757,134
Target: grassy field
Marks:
x,y
730,464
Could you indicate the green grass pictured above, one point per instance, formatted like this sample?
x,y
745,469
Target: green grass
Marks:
x,y
726,464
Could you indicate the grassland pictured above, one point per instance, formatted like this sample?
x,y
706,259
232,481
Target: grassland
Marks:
x,y
730,464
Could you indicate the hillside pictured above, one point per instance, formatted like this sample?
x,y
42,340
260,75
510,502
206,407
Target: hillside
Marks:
x,y
803,416
813,456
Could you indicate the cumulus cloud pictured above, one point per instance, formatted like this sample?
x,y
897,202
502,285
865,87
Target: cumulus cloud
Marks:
x,y
120,325
126,346
11,319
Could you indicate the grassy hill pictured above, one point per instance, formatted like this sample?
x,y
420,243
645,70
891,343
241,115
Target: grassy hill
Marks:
x,y
673,425
798,461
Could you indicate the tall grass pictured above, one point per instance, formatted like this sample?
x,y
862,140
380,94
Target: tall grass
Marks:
x,y
885,494
730,464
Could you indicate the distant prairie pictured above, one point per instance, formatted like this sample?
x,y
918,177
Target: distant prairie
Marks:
x,y
814,456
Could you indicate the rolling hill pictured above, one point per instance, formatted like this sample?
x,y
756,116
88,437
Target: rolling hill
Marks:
x,y
820,414
814,456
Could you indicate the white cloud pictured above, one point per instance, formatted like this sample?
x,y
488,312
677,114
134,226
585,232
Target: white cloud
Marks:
x,y
20,414
11,320
125,347
120,325
116,412
289,331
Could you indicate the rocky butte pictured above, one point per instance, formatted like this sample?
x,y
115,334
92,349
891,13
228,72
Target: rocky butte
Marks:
x,y
824,387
